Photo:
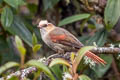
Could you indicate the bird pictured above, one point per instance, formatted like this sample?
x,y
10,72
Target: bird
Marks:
x,y
62,41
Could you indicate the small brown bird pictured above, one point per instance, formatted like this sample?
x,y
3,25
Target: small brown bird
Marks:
x,y
61,41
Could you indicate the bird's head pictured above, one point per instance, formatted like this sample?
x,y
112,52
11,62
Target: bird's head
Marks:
x,y
45,25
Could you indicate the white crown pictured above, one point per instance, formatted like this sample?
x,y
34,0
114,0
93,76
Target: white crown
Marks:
x,y
43,22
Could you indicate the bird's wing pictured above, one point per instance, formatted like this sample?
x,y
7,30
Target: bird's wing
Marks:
x,y
62,36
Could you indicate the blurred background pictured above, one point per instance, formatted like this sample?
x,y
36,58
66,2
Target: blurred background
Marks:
x,y
93,22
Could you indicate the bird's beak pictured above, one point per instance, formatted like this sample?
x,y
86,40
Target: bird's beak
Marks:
x,y
39,26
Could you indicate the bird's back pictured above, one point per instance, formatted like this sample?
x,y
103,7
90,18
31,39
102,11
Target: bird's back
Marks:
x,y
64,40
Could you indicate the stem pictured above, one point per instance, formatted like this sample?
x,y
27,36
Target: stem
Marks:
x,y
22,61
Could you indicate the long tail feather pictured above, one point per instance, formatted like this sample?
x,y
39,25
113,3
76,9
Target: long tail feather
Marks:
x,y
95,58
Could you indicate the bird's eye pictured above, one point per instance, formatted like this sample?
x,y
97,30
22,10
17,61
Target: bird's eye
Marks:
x,y
45,25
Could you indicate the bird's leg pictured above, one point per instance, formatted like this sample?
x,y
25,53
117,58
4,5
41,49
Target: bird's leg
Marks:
x,y
59,50
55,56
49,59
59,55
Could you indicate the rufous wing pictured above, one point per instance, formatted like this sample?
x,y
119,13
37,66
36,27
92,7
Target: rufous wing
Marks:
x,y
63,37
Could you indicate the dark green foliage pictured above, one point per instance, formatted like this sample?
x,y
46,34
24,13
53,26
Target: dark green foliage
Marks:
x,y
91,25
6,17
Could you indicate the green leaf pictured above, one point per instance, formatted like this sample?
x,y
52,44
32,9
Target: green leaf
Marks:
x,y
112,13
14,78
18,28
7,50
49,4
3,44
6,17
1,1
84,38
18,41
34,39
72,56
32,8
56,69
36,48
100,38
80,55
84,77
59,61
15,4
19,45
74,18
42,67
7,66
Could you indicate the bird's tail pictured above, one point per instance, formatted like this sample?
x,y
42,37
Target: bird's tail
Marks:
x,y
95,58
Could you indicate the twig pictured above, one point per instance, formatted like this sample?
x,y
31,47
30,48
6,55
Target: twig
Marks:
x,y
24,72
97,50
21,74
106,50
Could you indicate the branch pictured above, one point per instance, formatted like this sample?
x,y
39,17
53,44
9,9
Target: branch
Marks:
x,y
24,72
21,74
97,50
106,50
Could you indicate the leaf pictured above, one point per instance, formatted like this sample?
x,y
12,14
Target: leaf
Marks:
x,y
100,38
6,17
112,13
14,78
1,1
18,41
84,38
36,48
80,55
3,44
74,18
32,8
42,67
56,69
72,56
84,77
15,4
19,45
18,28
34,39
49,3
7,50
32,28
7,66
59,61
